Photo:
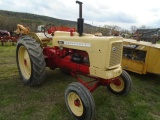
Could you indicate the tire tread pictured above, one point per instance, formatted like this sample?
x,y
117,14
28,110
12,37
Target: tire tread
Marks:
x,y
37,60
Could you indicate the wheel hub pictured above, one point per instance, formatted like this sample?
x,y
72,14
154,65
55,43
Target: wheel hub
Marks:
x,y
25,62
77,103
117,82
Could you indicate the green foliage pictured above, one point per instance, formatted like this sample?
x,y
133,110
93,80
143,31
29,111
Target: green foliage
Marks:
x,y
9,20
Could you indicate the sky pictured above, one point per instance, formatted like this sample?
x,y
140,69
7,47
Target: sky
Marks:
x,y
123,13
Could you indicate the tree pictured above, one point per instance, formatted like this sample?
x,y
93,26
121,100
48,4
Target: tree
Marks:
x,y
133,29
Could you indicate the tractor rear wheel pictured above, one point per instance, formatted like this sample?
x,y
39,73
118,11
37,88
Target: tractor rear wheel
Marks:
x,y
30,61
79,101
121,85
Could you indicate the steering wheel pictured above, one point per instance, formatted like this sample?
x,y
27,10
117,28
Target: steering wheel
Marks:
x,y
49,30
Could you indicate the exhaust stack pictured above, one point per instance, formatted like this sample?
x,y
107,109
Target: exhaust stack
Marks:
x,y
80,20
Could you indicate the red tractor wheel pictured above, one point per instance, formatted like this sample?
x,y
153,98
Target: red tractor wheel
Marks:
x,y
121,85
79,101
30,61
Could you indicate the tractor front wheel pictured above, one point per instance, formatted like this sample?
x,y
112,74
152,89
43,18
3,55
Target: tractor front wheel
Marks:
x,y
121,85
79,101
30,61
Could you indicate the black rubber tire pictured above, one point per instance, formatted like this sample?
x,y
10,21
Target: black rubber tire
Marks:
x,y
37,61
86,99
127,84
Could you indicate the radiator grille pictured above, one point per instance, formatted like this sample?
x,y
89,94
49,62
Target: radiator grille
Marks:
x,y
116,53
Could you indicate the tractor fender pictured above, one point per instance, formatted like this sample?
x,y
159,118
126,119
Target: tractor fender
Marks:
x,y
40,38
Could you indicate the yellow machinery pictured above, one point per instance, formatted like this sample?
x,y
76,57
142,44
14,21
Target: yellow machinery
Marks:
x,y
141,57
22,30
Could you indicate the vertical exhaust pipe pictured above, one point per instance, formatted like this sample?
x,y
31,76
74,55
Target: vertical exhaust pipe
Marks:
x,y
80,20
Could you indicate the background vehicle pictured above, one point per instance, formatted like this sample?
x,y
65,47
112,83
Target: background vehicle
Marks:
x,y
7,37
4,33
147,34
140,56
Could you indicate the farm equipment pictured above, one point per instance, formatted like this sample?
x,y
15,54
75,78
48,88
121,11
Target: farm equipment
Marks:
x,y
76,53
21,30
6,37
140,56
40,28
4,33
147,34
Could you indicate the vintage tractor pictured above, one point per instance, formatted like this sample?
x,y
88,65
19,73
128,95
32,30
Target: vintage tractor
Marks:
x,y
79,54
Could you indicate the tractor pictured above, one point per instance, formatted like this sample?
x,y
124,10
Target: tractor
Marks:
x,y
75,53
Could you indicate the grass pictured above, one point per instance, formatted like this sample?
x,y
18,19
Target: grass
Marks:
x,y
158,41
46,102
